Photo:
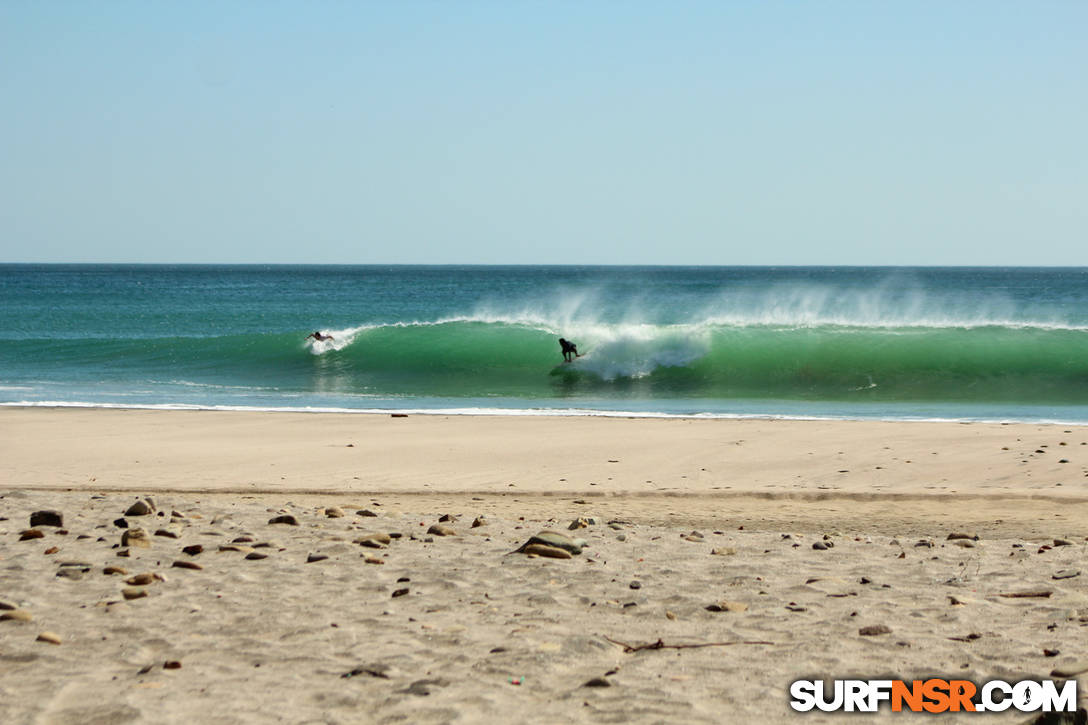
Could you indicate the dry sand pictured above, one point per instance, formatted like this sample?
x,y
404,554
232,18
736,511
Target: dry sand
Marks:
x,y
483,635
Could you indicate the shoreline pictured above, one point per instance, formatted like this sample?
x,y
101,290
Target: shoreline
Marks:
x,y
533,413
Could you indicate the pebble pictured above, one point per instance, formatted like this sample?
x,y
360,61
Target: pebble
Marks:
x,y
874,629
168,533
193,550
374,541
6,606
70,573
960,535
133,593
820,546
49,637
964,543
236,547
439,530
47,518
597,682
727,606
579,523
51,550
29,534
142,579
142,507
16,615
115,570
724,551
636,584
373,560
120,523
1070,670
136,537
284,519
1062,542
400,592
334,513
313,558
187,565
256,555
556,540
1065,574
551,552
366,513
478,522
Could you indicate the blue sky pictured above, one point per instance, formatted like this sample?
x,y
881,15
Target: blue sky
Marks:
x,y
545,132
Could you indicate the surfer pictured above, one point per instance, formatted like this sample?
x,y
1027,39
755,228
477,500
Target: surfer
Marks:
x,y
569,348
318,337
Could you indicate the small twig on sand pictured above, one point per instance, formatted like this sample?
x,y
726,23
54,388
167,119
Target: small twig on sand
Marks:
x,y
661,645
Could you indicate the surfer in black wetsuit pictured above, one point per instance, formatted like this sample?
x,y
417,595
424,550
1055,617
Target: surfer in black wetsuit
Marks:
x,y
318,337
569,348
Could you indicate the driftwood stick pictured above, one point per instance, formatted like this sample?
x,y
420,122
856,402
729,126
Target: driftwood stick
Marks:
x,y
661,645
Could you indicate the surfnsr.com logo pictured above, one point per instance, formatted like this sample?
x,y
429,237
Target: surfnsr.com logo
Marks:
x,y
934,695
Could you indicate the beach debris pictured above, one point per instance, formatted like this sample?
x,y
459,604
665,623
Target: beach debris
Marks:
x,y
659,644
50,637
874,629
16,615
518,681
581,522
440,530
1030,594
379,670
6,606
136,537
143,507
287,519
28,534
552,540
47,518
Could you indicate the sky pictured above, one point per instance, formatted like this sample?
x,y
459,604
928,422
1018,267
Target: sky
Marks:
x,y
518,132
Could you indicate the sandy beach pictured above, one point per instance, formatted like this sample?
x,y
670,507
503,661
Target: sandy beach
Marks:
x,y
802,533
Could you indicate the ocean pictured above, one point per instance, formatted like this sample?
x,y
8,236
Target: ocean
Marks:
x,y
1003,344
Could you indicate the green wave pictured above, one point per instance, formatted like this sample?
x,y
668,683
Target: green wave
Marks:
x,y
707,360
